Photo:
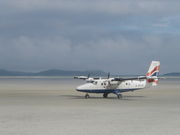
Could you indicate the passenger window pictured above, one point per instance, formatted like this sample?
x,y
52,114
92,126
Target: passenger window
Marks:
x,y
95,83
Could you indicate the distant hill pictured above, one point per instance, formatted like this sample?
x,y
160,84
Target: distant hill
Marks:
x,y
13,73
52,72
172,74
58,72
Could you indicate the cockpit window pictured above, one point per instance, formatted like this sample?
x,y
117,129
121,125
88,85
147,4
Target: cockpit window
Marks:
x,y
95,82
90,81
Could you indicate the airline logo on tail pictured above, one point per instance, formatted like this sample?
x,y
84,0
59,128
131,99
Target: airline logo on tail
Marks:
x,y
153,72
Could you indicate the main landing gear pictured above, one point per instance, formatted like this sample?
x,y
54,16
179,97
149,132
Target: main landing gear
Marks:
x,y
119,96
105,95
87,95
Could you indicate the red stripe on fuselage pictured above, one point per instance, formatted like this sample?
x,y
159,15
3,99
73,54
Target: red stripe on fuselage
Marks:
x,y
152,80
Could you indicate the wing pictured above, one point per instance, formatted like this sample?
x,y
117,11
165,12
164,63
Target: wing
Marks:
x,y
130,78
137,78
81,77
87,78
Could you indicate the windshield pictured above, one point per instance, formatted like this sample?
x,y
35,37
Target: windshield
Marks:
x,y
95,82
90,81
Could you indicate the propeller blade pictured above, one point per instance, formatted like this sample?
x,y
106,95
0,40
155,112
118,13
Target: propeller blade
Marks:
x,y
108,75
88,75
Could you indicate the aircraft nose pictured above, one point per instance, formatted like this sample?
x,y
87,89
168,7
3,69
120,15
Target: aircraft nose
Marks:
x,y
79,88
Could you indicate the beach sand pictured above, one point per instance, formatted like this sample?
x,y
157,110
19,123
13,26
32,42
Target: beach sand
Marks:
x,y
39,106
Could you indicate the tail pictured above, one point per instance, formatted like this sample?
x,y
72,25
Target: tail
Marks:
x,y
153,72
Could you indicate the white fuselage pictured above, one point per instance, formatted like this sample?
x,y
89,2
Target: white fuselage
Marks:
x,y
109,86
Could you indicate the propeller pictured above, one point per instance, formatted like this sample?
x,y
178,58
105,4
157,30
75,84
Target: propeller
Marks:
x,y
108,75
88,76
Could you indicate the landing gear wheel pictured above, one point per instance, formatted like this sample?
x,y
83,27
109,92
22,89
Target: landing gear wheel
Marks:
x,y
119,96
105,95
87,96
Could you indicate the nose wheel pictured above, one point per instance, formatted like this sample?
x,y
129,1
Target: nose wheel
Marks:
x,y
87,95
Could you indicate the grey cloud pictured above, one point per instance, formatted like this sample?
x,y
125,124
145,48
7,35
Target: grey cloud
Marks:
x,y
117,36
120,55
141,7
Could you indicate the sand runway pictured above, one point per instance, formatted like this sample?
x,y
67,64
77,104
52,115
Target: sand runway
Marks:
x,y
51,106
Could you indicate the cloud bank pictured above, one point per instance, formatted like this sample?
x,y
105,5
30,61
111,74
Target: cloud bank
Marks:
x,y
117,36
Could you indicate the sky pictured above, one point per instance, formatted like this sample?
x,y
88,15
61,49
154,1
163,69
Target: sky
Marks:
x,y
117,36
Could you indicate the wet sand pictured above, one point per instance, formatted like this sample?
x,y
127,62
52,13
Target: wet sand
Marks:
x,y
51,106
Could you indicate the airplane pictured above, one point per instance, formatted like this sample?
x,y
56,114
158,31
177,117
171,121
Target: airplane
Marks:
x,y
118,85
